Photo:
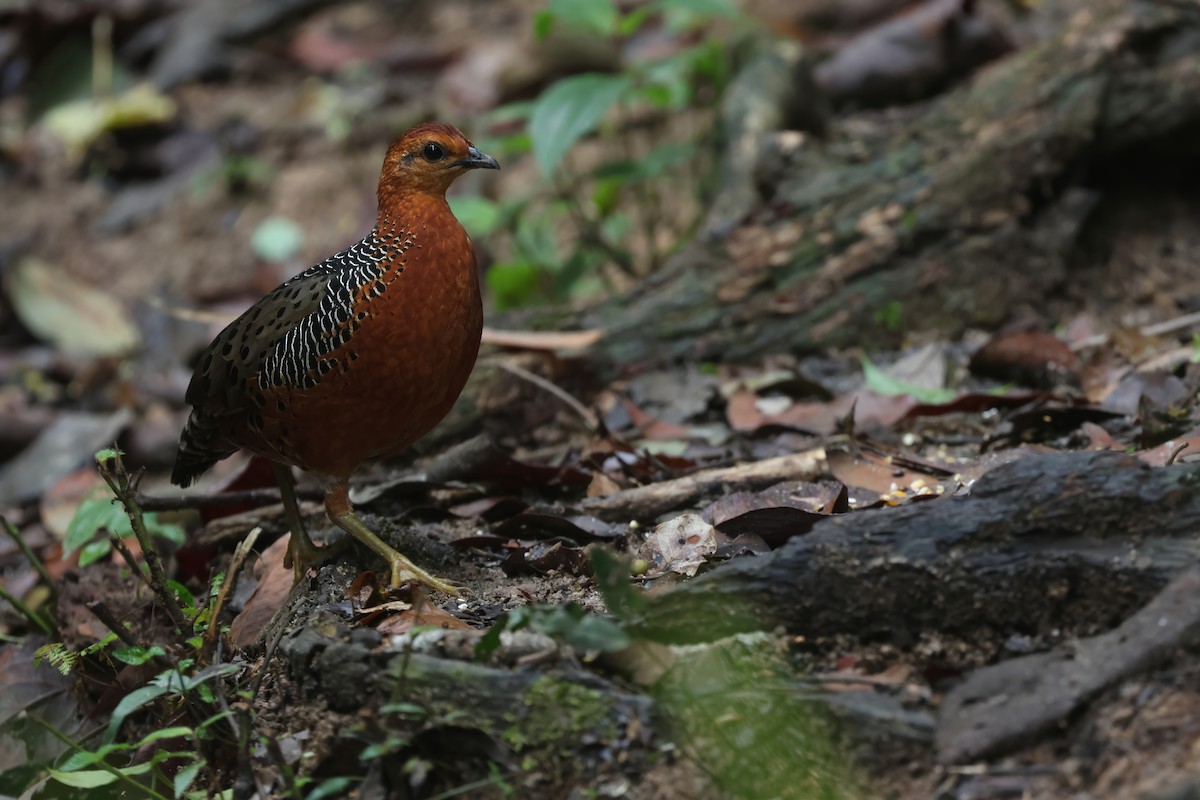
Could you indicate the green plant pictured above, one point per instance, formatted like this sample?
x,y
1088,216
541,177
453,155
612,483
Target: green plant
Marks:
x,y
184,720
100,517
603,218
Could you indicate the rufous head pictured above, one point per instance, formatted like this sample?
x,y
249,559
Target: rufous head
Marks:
x,y
427,159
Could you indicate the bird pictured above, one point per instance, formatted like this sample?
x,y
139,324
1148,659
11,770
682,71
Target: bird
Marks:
x,y
354,359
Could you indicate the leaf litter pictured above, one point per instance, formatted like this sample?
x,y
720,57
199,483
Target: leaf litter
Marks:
x,y
675,478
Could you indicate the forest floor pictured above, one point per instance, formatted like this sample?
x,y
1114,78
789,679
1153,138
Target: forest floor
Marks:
x,y
571,503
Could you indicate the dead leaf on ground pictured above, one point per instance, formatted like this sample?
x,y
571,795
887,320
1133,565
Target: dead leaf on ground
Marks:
x,y
270,593
683,544
421,615
1183,448
869,477
72,316
776,514
581,528
541,558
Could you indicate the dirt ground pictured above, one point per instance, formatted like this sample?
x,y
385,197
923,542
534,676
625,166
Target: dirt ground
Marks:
x,y
516,525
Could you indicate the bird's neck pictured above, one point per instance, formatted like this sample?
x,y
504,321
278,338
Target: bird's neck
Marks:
x,y
423,220
398,205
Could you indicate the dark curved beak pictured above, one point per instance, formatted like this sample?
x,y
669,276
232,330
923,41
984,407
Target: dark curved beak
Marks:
x,y
477,160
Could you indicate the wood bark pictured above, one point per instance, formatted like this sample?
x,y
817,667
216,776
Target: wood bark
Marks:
x,y
1070,544
970,210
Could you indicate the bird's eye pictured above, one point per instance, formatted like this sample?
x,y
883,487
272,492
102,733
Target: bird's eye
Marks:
x,y
433,152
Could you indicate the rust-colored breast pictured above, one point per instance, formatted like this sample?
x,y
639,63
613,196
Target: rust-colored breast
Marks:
x,y
353,359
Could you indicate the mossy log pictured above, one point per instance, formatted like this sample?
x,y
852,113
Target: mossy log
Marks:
x,y
962,214
1070,544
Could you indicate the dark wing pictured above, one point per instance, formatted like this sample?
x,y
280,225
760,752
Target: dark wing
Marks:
x,y
281,341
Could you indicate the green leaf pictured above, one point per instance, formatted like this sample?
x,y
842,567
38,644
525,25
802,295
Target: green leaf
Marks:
x,y
130,703
85,758
186,777
632,22
513,620
513,285
660,95
166,733
58,655
182,593
331,787
612,580
569,110
88,779
96,647
137,654
276,239
164,530
589,16
543,23
478,215
94,515
606,194
880,382
94,551
597,633
686,14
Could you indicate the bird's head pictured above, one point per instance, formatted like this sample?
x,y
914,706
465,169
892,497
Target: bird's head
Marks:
x,y
427,159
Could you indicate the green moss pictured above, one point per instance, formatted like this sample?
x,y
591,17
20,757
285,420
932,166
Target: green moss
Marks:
x,y
557,711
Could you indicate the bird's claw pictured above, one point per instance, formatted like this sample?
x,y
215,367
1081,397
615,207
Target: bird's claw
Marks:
x,y
302,555
404,571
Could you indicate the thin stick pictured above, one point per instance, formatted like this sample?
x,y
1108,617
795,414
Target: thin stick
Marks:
x,y
112,469
103,613
147,791
589,419
240,553
12,531
1157,329
259,497
27,612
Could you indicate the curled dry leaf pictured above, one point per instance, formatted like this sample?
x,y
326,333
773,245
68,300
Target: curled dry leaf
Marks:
x,y
683,544
269,595
68,314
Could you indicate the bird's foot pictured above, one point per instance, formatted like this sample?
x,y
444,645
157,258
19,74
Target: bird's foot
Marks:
x,y
404,571
302,554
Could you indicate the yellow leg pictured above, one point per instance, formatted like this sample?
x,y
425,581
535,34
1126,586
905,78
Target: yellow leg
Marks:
x,y
302,553
337,504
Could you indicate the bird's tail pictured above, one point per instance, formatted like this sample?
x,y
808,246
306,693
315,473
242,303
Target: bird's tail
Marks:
x,y
199,448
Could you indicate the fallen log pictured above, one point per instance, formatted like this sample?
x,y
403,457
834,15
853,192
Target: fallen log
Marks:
x,y
1071,543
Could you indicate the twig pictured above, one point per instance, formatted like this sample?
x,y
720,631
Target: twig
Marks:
x,y
112,469
15,535
260,497
590,420
1157,329
103,613
130,559
240,553
1179,448
27,612
647,502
